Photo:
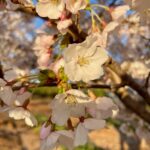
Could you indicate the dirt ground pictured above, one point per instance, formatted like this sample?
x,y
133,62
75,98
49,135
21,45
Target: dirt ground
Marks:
x,y
15,135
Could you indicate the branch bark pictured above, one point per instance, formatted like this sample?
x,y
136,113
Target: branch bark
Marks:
x,y
136,105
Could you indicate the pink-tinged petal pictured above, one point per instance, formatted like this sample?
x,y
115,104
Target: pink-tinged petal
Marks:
x,y
43,60
45,131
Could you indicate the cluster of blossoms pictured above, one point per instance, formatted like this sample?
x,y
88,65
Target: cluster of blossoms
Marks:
x,y
55,8
42,49
60,10
89,113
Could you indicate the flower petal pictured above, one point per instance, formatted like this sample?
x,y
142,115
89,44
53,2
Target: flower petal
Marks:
x,y
81,135
93,124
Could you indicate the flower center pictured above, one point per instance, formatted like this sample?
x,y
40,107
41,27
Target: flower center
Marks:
x,y
71,99
82,61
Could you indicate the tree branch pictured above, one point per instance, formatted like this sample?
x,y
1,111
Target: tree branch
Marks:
x,y
136,105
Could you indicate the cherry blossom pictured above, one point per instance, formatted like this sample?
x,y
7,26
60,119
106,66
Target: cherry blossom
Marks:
x,y
42,49
69,104
50,8
13,102
81,59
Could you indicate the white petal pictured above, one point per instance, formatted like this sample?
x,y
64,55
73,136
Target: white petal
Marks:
x,y
10,75
81,135
7,95
93,124
31,120
20,99
50,9
60,115
70,53
104,103
66,138
52,140
17,113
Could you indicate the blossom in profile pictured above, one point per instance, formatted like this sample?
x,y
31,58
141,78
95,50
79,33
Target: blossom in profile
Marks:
x,y
84,61
50,8
75,5
69,104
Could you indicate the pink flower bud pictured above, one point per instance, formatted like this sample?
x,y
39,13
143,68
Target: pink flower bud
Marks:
x,y
45,131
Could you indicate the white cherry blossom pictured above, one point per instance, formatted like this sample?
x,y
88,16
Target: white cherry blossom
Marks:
x,y
84,61
69,104
50,8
